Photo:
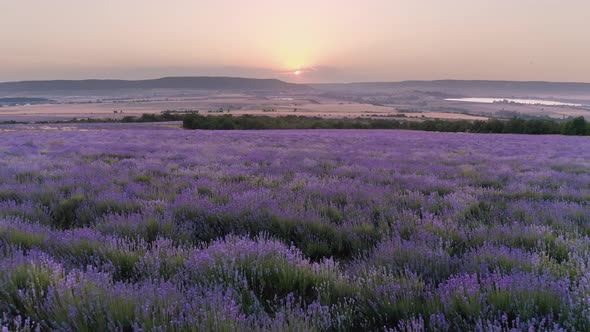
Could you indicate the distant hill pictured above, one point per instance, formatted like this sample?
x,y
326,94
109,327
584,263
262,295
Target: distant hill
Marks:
x,y
179,83
23,101
467,88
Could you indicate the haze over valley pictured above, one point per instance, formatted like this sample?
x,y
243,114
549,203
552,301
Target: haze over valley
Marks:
x,y
450,99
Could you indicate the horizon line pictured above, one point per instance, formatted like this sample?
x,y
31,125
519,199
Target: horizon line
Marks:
x,y
299,83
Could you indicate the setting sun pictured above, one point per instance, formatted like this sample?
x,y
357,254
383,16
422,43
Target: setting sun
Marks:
x,y
297,72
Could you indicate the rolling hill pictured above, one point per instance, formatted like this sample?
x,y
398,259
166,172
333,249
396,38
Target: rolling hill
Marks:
x,y
176,83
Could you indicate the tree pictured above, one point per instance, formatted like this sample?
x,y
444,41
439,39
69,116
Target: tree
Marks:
x,y
515,126
576,126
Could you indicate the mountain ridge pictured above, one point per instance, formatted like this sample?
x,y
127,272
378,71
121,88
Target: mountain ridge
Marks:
x,y
477,87
179,82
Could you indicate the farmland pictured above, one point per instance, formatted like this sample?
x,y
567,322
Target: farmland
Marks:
x,y
151,227
414,101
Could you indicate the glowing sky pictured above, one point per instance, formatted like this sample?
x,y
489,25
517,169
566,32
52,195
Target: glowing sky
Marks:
x,y
325,40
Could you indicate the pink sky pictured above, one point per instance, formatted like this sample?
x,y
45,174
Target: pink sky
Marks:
x,y
327,40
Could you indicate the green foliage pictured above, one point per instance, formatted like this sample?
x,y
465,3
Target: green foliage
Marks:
x,y
525,303
192,120
64,211
515,125
577,126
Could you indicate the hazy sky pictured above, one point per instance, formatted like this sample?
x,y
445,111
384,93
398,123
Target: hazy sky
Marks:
x,y
328,40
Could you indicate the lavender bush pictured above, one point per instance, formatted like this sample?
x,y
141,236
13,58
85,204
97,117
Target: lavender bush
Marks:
x,y
139,227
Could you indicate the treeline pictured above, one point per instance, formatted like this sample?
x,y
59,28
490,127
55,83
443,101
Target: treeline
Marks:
x,y
162,117
576,126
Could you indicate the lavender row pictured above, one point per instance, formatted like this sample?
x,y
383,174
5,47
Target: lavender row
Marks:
x,y
162,229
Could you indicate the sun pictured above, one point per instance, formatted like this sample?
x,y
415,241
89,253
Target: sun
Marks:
x,y
297,72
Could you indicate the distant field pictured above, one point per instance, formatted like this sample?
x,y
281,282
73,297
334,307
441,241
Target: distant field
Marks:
x,y
150,227
446,99
311,106
556,112
235,105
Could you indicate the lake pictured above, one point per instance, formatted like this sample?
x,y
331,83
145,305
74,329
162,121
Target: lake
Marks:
x,y
511,100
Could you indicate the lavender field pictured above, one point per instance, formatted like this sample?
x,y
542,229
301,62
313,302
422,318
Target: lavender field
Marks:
x,y
138,227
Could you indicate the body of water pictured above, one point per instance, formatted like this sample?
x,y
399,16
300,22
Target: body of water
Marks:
x,y
516,101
